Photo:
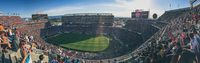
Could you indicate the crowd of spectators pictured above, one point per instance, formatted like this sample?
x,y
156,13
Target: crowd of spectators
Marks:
x,y
26,39
38,32
179,42
143,27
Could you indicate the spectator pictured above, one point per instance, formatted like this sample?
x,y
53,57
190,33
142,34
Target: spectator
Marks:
x,y
54,60
34,45
4,41
41,57
67,60
195,46
27,38
31,38
1,27
25,52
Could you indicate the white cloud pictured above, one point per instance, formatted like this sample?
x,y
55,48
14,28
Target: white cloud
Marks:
x,y
61,10
131,5
120,8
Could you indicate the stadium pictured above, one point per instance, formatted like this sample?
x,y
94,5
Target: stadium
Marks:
x,y
102,37
100,40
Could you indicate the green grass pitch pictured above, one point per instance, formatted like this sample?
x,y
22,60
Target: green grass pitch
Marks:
x,y
83,42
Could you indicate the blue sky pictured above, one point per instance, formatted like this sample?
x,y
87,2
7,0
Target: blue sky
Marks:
x,y
120,8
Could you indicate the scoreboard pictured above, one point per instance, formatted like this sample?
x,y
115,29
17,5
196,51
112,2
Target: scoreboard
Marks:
x,y
140,14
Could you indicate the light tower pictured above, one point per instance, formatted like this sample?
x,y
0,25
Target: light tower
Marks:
x,y
191,3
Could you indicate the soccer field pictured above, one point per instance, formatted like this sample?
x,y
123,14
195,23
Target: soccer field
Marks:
x,y
81,42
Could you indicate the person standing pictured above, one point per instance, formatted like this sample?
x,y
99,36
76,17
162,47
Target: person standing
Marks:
x,y
25,52
194,39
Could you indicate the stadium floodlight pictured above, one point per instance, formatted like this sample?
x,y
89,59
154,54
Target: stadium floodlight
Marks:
x,y
192,1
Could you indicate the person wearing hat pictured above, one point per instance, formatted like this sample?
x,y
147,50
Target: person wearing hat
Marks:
x,y
41,57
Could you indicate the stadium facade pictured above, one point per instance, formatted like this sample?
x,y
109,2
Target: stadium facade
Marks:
x,y
88,19
39,17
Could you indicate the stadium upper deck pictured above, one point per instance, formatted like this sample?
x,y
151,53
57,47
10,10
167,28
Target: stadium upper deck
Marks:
x,y
89,14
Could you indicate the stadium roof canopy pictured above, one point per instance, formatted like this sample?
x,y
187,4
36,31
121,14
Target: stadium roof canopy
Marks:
x,y
86,14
